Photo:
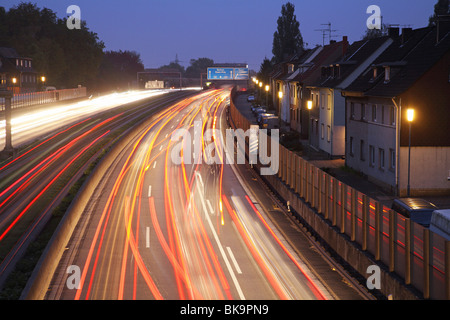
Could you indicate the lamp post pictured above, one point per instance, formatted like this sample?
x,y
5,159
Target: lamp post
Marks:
x,y
410,118
260,88
7,95
309,104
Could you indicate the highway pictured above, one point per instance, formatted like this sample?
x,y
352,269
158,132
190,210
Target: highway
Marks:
x,y
55,146
160,228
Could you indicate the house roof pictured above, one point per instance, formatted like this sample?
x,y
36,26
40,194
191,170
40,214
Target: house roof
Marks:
x,y
408,60
328,53
415,62
357,53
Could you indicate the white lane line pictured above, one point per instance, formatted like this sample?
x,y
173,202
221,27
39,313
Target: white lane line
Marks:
x,y
149,191
236,266
160,147
147,237
219,245
210,206
154,165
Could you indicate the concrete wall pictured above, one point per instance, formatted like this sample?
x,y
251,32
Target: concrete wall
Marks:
x,y
429,173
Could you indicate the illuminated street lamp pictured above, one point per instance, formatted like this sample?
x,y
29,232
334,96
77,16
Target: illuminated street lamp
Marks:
x,y
43,79
410,119
267,88
309,105
14,80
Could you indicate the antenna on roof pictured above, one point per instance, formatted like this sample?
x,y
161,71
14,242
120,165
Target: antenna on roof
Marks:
x,y
325,31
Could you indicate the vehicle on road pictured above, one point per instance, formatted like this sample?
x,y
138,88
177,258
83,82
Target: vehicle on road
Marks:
x,y
251,98
416,209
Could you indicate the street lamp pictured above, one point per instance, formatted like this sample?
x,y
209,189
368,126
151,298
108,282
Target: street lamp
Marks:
x,y
267,95
309,105
410,119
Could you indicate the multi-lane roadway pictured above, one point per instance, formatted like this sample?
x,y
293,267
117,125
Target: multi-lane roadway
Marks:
x,y
171,219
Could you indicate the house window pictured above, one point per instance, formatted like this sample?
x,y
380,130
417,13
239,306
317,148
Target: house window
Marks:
x,y
352,110
361,151
351,147
322,131
363,111
328,133
381,156
392,116
391,159
371,156
317,100
382,114
374,112
322,100
329,102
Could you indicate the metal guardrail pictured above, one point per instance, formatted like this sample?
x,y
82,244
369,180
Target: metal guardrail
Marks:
x,y
37,98
417,255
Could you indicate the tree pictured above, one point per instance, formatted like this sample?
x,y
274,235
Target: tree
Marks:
x,y
442,7
287,40
197,67
119,69
66,57
265,70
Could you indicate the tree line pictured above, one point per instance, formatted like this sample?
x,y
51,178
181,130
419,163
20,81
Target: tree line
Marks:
x,y
69,58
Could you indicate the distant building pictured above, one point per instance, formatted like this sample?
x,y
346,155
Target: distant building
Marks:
x,y
16,72
413,72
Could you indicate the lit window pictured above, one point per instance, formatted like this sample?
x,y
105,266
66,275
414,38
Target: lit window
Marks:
x,y
328,133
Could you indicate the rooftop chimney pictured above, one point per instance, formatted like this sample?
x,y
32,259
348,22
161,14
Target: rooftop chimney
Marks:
x,y
393,32
442,27
406,34
344,45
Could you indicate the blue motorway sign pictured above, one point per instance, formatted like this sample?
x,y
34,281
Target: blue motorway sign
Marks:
x,y
241,74
220,73
228,74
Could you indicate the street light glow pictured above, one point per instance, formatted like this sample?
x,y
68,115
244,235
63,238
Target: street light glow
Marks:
x,y
280,94
410,115
267,87
309,104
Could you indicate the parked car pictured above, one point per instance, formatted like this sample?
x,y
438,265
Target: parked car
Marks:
x,y
263,115
251,98
270,122
440,223
416,209
258,110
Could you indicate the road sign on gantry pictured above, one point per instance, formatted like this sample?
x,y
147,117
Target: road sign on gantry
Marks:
x,y
241,74
220,73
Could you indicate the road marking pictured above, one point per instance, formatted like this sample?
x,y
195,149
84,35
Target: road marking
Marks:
x,y
160,147
149,191
210,206
234,260
219,245
147,237
167,135
154,165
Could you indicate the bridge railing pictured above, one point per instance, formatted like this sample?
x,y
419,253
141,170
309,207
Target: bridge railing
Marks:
x,y
37,98
418,256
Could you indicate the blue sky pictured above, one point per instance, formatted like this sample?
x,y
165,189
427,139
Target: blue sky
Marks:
x,y
224,30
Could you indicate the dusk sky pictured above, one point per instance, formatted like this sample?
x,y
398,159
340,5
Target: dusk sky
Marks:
x,y
224,30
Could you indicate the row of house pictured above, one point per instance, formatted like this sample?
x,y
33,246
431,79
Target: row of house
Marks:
x,y
17,72
360,93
